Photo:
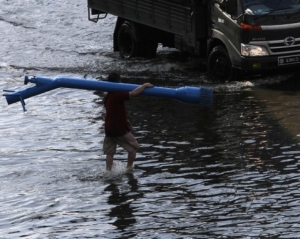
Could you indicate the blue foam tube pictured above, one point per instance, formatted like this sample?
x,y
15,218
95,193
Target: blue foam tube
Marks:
x,y
202,96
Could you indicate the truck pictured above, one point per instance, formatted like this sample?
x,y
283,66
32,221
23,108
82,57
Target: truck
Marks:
x,y
234,37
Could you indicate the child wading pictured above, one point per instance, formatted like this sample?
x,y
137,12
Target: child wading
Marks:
x,y
117,126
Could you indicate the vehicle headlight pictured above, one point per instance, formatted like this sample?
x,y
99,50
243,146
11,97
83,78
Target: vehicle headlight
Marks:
x,y
252,50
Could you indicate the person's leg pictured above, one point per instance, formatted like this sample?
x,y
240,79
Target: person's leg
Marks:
x,y
109,148
129,143
109,161
131,158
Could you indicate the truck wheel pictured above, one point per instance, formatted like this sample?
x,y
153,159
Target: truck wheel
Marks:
x,y
219,65
128,44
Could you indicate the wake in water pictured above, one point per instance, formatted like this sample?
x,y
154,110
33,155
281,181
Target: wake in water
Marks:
x,y
100,173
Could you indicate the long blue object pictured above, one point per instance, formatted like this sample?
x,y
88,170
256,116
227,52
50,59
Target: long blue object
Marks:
x,y
202,96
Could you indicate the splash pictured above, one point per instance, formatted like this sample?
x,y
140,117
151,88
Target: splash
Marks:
x,y
101,174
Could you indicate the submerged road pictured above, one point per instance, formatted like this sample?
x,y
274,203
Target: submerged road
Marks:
x,y
230,171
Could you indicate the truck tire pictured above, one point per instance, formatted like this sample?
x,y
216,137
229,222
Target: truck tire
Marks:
x,y
127,39
133,43
219,66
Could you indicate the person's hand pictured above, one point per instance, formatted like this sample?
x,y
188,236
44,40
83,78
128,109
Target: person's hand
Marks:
x,y
148,84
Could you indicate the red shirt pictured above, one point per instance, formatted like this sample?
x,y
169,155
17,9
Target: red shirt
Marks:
x,y
116,123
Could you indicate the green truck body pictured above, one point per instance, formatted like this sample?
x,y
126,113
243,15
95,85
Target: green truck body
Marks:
x,y
235,37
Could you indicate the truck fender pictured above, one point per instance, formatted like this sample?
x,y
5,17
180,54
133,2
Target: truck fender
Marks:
x,y
218,38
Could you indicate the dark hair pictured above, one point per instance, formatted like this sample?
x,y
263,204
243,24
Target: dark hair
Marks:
x,y
114,77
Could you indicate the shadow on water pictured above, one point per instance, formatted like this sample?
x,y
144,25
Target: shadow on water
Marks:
x,y
281,102
291,84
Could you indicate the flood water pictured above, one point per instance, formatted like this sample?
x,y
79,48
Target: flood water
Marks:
x,y
230,171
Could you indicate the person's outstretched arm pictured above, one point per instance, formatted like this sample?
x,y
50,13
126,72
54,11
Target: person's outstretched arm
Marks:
x,y
139,90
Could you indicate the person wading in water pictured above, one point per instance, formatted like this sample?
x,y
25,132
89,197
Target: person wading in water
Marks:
x,y
117,126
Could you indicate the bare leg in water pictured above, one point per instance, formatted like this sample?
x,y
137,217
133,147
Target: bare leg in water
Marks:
x,y
131,158
109,161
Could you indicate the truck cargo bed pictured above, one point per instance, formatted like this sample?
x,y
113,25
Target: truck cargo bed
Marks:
x,y
174,16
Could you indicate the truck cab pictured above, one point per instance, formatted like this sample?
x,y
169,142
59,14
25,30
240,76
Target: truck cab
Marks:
x,y
257,35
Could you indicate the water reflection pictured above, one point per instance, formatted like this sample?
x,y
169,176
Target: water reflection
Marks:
x,y
221,161
227,172
121,197
231,171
